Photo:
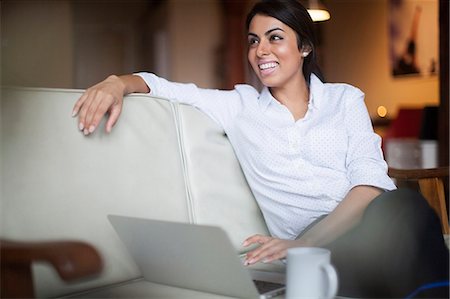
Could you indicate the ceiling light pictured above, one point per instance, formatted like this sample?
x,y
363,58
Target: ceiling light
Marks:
x,y
317,11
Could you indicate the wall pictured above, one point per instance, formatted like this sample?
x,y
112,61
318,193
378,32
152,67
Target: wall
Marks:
x,y
106,39
356,51
36,43
195,34
74,44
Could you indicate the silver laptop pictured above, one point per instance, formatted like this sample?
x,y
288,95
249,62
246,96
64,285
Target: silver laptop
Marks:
x,y
191,256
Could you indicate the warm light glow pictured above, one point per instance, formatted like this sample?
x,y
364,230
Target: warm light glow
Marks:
x,y
318,15
381,111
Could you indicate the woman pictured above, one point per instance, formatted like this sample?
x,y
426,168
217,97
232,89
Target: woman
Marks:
x,y
310,156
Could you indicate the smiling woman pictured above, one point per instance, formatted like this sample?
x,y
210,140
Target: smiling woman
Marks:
x,y
309,153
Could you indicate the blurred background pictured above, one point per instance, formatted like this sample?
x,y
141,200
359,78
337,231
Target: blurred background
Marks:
x,y
76,43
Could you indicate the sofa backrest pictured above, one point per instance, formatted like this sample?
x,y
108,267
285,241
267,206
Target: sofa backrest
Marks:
x,y
163,160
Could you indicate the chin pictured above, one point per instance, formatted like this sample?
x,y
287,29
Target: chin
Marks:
x,y
269,82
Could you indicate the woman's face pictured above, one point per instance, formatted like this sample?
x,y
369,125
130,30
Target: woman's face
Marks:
x,y
273,52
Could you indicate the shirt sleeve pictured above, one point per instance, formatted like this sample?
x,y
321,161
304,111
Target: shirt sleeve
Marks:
x,y
220,105
364,161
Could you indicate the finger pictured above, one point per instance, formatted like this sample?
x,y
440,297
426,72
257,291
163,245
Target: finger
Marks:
x,y
97,110
99,113
249,241
277,256
266,251
78,104
113,116
89,96
260,239
253,256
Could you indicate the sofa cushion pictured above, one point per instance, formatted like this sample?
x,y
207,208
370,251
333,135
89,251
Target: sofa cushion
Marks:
x,y
59,184
218,192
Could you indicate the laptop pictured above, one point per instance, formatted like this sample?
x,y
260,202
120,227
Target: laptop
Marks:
x,y
192,256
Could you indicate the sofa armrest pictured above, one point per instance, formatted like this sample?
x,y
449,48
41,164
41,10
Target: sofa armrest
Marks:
x,y
72,260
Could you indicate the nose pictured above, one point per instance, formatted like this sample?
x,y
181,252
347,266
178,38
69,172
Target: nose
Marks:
x,y
263,48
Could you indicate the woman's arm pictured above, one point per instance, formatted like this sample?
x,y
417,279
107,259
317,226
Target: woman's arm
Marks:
x,y
346,215
106,97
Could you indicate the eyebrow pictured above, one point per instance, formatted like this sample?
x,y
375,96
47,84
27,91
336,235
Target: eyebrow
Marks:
x,y
267,32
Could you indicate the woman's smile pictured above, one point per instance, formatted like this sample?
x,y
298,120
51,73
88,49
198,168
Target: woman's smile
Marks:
x,y
267,68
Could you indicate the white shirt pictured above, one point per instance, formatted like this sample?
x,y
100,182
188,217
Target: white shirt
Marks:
x,y
297,170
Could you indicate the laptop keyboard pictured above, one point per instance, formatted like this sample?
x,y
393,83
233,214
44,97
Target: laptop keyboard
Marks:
x,y
265,286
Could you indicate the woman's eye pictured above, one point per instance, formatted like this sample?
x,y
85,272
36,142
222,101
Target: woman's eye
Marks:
x,y
252,41
275,37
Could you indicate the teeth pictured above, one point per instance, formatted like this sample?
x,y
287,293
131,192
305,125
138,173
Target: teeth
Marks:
x,y
268,65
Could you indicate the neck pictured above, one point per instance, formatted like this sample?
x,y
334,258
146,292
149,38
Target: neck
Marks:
x,y
296,92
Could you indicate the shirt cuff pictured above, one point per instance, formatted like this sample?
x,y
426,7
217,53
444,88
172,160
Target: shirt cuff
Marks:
x,y
151,80
372,177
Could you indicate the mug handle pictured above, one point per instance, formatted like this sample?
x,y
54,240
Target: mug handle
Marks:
x,y
332,280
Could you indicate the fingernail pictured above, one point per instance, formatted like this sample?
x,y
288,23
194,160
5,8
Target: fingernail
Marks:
x,y
91,129
74,113
246,263
81,126
86,132
265,261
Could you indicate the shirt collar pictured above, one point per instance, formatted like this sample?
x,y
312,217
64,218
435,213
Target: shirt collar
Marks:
x,y
315,95
265,98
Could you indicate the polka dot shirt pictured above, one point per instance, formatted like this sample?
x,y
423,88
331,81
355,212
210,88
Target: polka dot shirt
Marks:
x,y
297,170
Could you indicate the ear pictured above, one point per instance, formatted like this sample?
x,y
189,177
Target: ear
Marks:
x,y
306,49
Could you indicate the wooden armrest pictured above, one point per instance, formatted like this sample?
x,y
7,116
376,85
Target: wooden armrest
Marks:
x,y
431,185
408,174
71,259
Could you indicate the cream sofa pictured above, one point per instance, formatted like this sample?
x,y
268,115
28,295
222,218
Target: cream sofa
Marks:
x,y
163,160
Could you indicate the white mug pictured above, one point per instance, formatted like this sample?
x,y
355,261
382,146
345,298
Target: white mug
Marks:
x,y
310,274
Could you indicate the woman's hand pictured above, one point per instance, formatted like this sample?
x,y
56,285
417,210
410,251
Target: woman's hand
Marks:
x,y
271,249
104,97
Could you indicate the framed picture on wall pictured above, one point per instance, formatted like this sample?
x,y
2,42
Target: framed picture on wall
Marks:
x,y
414,37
